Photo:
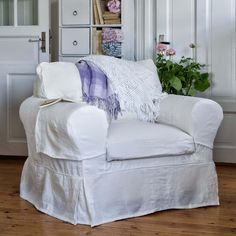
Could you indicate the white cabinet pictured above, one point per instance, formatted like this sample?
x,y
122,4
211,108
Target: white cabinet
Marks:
x,y
79,33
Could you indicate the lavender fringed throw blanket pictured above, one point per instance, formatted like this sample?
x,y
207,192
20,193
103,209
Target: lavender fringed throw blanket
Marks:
x,y
118,85
96,90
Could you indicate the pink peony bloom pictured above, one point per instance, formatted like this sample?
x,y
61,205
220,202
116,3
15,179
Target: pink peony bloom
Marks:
x,y
161,47
170,52
114,6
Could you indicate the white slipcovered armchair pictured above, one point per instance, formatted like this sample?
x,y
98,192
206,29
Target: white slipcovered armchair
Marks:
x,y
81,169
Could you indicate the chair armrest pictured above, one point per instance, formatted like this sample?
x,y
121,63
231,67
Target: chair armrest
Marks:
x,y
65,130
199,117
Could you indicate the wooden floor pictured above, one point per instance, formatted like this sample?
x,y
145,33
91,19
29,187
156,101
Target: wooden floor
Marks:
x,y
18,217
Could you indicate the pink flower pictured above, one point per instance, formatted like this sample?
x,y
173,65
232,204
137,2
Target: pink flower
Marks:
x,y
114,6
161,47
170,52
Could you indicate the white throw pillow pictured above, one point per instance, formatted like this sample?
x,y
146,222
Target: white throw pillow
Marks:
x,y
149,64
58,80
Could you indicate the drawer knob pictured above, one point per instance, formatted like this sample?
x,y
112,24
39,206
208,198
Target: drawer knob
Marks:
x,y
75,13
75,43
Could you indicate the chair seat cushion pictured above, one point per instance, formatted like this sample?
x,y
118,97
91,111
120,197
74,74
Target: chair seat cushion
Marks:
x,y
131,139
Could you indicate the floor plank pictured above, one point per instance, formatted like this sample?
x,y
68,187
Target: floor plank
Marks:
x,y
18,217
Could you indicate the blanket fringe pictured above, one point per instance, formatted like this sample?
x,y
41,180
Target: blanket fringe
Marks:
x,y
111,104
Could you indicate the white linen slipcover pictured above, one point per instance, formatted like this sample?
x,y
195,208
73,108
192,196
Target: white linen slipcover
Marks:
x,y
67,130
138,139
94,191
199,117
80,132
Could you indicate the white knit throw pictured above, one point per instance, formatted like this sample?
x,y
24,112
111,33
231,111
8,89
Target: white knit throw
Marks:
x,y
135,85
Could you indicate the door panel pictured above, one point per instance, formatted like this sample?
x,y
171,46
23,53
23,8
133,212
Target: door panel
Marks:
x,y
222,49
18,51
21,52
19,87
176,21
16,84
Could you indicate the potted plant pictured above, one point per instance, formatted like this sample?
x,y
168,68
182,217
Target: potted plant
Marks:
x,y
183,77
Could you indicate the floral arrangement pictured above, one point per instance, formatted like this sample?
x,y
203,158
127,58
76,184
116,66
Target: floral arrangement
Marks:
x,y
114,6
184,77
112,41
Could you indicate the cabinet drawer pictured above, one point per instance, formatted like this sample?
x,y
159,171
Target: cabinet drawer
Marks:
x,y
75,41
75,12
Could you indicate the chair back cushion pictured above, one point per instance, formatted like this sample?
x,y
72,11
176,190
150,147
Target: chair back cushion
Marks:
x,y
58,80
149,64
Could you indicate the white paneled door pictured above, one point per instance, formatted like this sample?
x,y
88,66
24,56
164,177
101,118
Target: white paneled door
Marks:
x,y
24,42
211,24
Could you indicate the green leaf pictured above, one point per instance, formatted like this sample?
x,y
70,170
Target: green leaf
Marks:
x,y
168,64
182,78
192,92
204,76
176,83
202,84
